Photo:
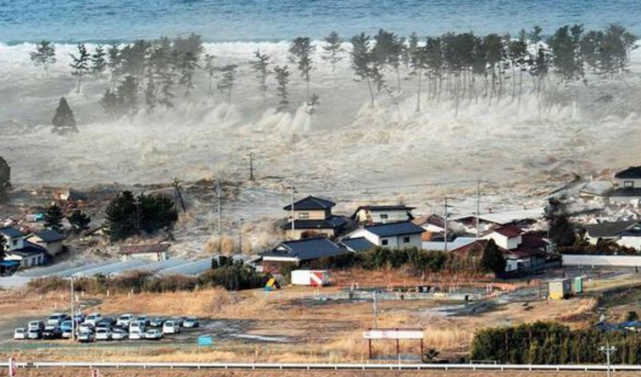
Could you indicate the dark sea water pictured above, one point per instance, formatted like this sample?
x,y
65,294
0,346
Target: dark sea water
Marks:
x,y
270,20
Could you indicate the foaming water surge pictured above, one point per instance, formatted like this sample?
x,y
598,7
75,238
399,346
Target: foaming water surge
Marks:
x,y
347,144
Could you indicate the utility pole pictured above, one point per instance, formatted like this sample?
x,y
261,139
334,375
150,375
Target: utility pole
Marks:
x,y
478,208
178,195
608,350
445,215
219,205
375,310
251,166
293,192
240,236
73,312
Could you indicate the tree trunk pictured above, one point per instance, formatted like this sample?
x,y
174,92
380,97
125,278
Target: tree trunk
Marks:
x,y
398,79
371,92
418,97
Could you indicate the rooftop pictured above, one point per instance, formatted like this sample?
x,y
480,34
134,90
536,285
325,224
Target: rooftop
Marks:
x,y
391,207
311,203
394,229
48,235
11,232
609,229
357,244
144,249
632,172
331,222
509,231
306,249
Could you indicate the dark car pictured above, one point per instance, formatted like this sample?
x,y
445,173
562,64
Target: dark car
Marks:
x,y
107,322
55,333
156,322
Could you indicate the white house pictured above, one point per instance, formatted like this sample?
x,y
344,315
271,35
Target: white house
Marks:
x,y
312,216
20,250
393,235
14,239
521,251
506,237
155,252
382,214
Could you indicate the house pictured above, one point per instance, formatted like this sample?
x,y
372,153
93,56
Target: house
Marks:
x,y
14,239
68,194
595,190
488,221
434,226
607,231
625,233
48,239
357,244
439,245
381,214
154,252
522,251
29,255
627,185
313,216
395,235
299,251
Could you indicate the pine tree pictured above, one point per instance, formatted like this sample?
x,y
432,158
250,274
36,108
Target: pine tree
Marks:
x,y
492,260
114,61
111,104
79,220
123,216
333,49
301,51
80,64
127,93
260,66
363,63
282,79
98,61
227,80
151,101
210,69
53,218
5,179
63,120
44,55
187,67
418,62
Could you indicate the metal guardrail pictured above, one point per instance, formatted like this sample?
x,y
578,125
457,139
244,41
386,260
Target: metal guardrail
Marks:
x,y
313,366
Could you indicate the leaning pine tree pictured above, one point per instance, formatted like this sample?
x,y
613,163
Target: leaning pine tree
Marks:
x,y
63,121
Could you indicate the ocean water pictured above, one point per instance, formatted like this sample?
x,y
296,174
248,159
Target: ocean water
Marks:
x,y
273,20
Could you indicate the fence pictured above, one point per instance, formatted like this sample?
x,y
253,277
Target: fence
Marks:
x,y
601,260
312,366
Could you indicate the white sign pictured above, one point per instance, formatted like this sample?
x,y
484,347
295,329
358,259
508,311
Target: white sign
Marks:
x,y
393,334
13,370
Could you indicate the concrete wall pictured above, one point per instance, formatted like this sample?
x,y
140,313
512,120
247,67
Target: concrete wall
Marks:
x,y
602,260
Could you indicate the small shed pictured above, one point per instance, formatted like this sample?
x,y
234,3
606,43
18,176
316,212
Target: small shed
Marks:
x,y
315,278
560,289
154,252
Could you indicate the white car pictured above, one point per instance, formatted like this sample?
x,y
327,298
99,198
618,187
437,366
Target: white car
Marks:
x,y
34,334
86,328
85,337
119,334
93,319
20,333
56,319
136,334
137,325
103,333
170,327
153,334
124,320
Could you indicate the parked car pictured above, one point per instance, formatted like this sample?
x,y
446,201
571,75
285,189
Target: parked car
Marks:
x,y
56,319
136,334
178,321
103,333
66,333
52,333
20,333
191,322
85,337
35,325
124,320
34,334
156,322
86,327
106,322
153,334
79,318
170,327
143,319
137,325
93,319
119,334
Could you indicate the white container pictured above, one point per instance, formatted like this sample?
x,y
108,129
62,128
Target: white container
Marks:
x,y
310,278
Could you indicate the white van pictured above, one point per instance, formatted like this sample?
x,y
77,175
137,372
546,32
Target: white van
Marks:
x,y
170,327
137,325
136,334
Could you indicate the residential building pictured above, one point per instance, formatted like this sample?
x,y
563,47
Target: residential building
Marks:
x,y
625,233
488,221
434,226
393,235
313,216
20,250
48,239
627,185
14,239
381,214
357,245
299,251
154,252
522,251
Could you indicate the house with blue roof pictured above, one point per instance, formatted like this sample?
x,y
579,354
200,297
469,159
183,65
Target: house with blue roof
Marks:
x,y
19,250
299,251
312,216
394,235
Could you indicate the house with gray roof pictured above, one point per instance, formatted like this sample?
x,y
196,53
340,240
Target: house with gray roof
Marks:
x,y
394,235
627,183
20,250
381,214
48,239
626,233
357,245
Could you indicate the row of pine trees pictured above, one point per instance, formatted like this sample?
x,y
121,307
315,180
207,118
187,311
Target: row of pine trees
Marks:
x,y
145,75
